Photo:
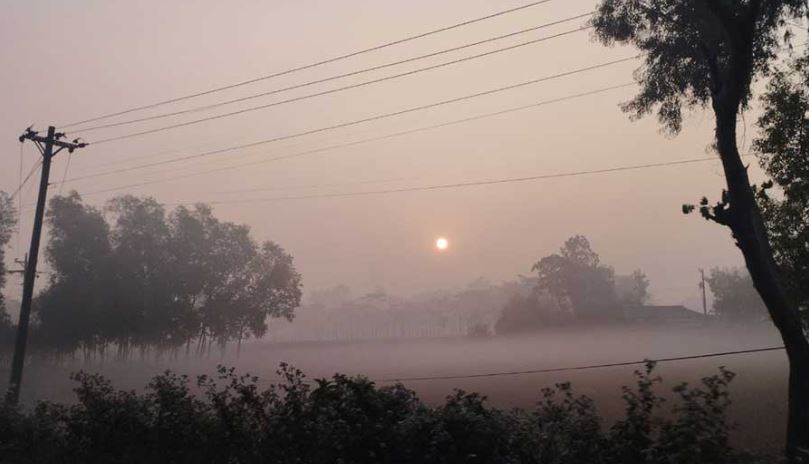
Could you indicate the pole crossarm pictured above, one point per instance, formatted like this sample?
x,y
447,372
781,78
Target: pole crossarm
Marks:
x,y
34,136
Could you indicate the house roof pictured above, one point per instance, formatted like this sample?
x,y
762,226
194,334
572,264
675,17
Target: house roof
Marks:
x,y
662,312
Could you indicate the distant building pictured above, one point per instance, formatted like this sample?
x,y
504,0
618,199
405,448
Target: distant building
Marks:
x,y
675,315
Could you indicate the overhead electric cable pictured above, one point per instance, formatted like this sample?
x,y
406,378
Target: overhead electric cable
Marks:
x,y
19,199
330,91
311,65
64,174
344,75
24,181
362,141
458,185
359,121
581,368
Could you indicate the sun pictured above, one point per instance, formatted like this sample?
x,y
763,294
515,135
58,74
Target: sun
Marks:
x,y
442,243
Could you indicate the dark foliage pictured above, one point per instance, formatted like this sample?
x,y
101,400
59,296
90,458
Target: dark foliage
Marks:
x,y
580,284
783,151
151,280
8,219
735,298
523,313
351,420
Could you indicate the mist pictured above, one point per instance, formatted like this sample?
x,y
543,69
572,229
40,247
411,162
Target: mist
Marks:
x,y
408,200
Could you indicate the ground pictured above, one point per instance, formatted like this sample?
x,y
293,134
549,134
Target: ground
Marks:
x,y
759,391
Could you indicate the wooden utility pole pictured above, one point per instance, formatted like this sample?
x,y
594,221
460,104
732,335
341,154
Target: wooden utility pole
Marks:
x,y
49,146
704,299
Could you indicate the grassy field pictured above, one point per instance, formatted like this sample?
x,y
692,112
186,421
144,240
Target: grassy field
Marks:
x,y
759,391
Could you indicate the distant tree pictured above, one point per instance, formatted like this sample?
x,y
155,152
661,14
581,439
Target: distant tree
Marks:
x,y
577,280
633,290
329,298
783,151
8,219
706,53
528,312
735,298
479,331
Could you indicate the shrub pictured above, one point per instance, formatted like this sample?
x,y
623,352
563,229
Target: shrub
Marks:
x,y
351,420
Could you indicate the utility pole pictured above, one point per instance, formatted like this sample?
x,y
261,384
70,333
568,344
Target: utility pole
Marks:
x,y
49,146
704,299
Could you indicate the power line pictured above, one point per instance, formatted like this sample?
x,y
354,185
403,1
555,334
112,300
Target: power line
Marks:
x,y
363,141
581,368
311,65
19,199
507,180
359,121
349,74
313,186
24,181
331,91
64,174
265,189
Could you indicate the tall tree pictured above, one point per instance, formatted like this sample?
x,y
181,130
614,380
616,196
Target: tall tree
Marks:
x,y
783,151
576,279
143,282
706,53
735,298
273,290
71,311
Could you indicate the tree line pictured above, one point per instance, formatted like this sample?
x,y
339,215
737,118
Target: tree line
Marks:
x,y
133,277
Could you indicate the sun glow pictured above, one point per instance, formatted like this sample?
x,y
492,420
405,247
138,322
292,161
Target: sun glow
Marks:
x,y
442,244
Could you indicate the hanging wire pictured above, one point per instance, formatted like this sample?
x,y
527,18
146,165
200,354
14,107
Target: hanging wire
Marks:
x,y
64,175
33,170
19,200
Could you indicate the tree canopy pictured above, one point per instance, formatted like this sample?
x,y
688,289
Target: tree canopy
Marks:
x,y
134,276
735,298
783,151
692,49
578,282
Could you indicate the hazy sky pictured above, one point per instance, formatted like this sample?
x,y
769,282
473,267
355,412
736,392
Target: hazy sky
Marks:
x,y
66,61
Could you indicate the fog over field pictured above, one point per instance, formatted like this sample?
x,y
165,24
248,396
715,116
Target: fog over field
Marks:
x,y
758,392
478,195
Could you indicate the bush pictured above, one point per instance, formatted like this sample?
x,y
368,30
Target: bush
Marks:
x,y
351,420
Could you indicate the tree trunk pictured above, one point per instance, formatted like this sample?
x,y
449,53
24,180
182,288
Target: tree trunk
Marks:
x,y
239,345
744,220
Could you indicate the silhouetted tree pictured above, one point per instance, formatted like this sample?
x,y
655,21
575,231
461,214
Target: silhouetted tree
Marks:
x,y
72,311
735,298
706,53
158,280
8,219
142,279
633,290
783,149
578,281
